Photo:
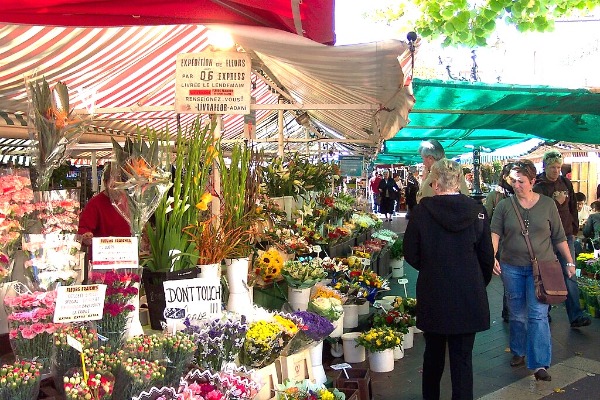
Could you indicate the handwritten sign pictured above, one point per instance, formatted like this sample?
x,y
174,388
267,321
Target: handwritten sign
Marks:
x,y
213,82
79,303
115,252
194,299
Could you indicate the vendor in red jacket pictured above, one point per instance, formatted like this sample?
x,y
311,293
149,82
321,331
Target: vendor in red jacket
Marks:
x,y
100,218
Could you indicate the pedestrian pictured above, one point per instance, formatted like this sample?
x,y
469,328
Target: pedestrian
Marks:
x,y
387,194
374,186
591,228
398,198
502,190
452,302
529,329
431,151
552,184
583,210
411,189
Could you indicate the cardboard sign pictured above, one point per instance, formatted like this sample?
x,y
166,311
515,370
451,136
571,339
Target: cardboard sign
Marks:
x,y
79,303
194,299
213,82
115,252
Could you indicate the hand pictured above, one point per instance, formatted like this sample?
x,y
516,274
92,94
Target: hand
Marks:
x,y
497,270
571,271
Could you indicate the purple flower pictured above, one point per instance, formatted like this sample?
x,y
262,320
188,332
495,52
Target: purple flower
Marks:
x,y
314,326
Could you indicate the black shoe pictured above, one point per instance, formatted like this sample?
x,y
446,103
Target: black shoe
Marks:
x,y
517,360
542,375
549,318
581,321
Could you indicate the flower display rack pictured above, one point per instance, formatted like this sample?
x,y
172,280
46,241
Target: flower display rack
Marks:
x,y
296,367
358,379
270,378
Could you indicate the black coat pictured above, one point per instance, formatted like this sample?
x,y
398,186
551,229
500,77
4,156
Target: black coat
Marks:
x,y
450,245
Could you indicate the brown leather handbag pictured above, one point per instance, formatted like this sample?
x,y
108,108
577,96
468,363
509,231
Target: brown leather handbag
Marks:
x,y
550,287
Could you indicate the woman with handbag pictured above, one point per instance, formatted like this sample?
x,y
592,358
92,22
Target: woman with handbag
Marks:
x,y
530,340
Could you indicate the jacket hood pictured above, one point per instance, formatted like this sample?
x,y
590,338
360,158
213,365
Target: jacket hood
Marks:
x,y
453,212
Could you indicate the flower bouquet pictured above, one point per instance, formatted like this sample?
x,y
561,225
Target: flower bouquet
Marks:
x,y
135,375
352,292
57,210
30,325
290,390
368,279
147,347
51,260
303,274
290,326
262,345
327,303
121,288
268,265
52,126
312,329
379,339
98,386
103,360
218,341
397,320
235,384
20,381
178,350
64,356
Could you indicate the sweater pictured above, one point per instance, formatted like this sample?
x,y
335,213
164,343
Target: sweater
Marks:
x,y
101,218
448,241
567,210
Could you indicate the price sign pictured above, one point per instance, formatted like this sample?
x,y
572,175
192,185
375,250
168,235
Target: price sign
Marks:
x,y
213,82
79,303
195,299
115,252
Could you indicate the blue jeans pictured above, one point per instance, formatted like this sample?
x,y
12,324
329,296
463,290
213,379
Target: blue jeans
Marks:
x,y
572,302
528,318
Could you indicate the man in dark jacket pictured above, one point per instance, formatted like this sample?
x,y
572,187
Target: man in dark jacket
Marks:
x,y
552,184
452,303
411,189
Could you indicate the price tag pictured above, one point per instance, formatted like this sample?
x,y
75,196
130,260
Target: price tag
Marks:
x,y
115,252
341,366
316,248
366,262
74,343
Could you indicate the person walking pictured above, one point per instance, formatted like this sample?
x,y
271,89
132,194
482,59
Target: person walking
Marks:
x,y
502,190
431,151
411,189
529,329
387,193
374,186
452,302
552,184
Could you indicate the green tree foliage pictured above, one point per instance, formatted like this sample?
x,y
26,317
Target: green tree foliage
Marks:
x,y
470,23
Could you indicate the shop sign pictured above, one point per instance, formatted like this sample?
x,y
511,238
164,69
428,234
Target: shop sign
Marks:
x,y
115,252
351,165
213,82
194,299
79,303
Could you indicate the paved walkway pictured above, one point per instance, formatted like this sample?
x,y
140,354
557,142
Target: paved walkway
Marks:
x,y
575,361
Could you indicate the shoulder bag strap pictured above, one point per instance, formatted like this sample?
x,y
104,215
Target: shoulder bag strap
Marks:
x,y
524,231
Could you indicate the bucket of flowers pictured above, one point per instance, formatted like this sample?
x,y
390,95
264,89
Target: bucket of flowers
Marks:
x,y
305,390
20,380
380,342
300,277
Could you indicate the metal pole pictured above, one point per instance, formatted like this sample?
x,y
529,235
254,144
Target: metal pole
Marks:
x,y
477,194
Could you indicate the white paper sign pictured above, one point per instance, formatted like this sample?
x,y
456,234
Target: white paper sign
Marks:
x,y
74,343
213,82
79,303
194,299
115,252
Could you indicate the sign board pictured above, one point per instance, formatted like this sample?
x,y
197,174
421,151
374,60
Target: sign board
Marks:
x,y
351,165
213,82
115,252
79,303
195,299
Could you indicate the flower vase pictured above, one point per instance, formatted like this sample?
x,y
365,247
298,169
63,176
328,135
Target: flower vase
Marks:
x,y
134,326
409,337
237,274
353,353
363,309
350,316
382,361
316,360
339,327
210,271
397,265
288,206
298,298
398,352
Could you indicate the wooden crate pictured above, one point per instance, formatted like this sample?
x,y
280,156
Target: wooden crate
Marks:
x,y
296,367
358,379
270,378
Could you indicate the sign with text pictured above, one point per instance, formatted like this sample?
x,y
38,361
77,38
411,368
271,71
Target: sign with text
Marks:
x,y
115,252
195,299
351,165
213,82
79,303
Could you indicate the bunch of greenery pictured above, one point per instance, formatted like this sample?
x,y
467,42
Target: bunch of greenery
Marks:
x,y
397,249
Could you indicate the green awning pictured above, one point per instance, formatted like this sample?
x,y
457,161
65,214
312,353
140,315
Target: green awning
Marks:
x,y
493,116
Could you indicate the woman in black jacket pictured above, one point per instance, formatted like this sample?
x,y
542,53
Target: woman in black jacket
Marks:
x,y
452,303
387,191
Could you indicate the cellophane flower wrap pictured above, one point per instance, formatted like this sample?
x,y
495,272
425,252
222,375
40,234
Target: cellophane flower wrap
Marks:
x,y
232,384
98,386
30,325
162,393
51,260
57,210
64,356
52,125
20,380
312,328
290,326
305,390
218,341
369,280
120,289
262,345
303,274
103,360
326,302
379,339
140,178
15,203
135,375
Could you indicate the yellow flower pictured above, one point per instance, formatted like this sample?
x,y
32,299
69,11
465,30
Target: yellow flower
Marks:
x,y
325,394
204,201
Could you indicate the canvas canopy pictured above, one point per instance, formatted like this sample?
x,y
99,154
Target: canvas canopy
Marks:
x,y
461,114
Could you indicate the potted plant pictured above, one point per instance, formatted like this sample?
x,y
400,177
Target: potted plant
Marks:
x,y
380,342
397,258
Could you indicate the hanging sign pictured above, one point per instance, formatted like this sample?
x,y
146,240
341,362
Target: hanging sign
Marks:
x,y
195,299
213,82
79,303
115,252
351,165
